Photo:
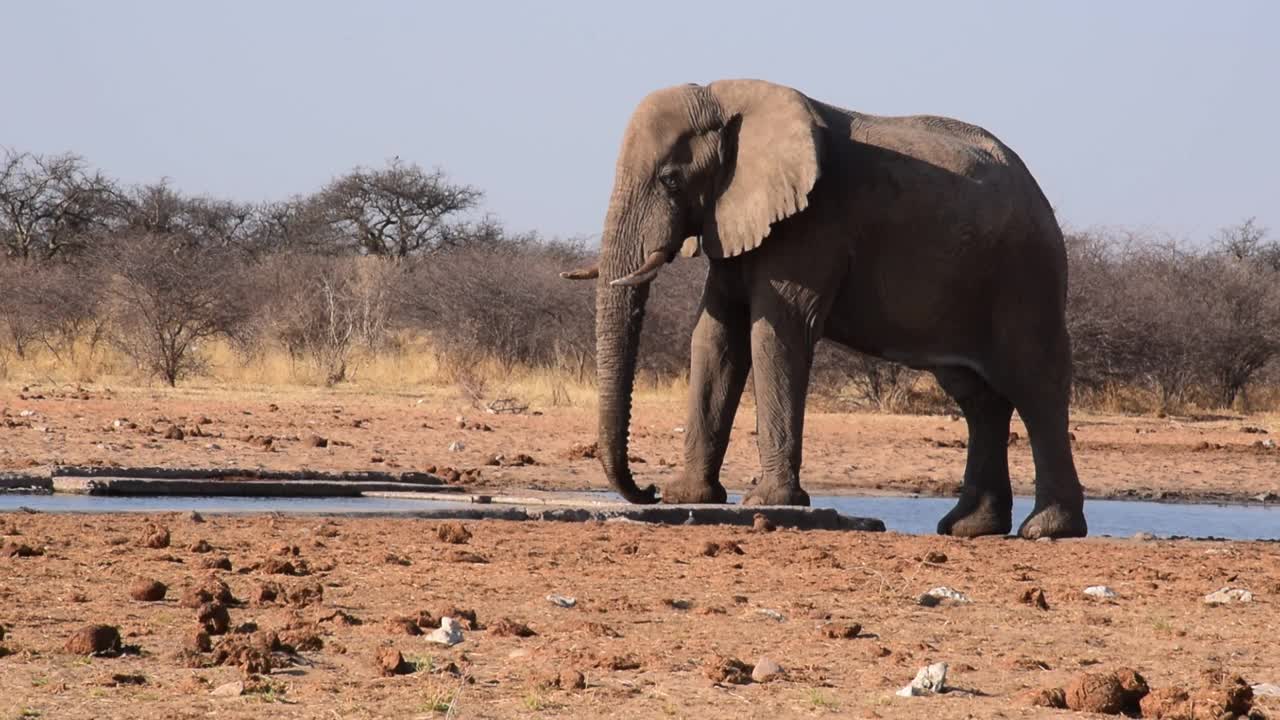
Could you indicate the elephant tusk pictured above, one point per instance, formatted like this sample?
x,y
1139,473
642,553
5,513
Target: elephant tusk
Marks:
x,y
585,273
648,271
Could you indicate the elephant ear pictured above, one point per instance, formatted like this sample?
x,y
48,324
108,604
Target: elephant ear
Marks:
x,y
772,142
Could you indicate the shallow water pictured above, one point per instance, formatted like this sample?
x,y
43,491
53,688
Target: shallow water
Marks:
x,y
1121,518
900,514
184,503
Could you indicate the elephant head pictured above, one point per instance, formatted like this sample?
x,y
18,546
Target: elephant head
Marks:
x,y
715,164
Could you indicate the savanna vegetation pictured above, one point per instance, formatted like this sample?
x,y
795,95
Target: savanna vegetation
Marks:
x,y
391,276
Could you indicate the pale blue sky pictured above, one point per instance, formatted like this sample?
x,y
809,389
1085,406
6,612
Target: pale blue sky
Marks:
x,y
1140,114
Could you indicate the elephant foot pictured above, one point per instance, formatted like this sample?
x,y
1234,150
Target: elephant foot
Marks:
x,y
1055,520
977,514
776,495
686,490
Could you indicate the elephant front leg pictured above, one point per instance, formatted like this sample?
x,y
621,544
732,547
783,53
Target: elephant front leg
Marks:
x,y
721,359
782,356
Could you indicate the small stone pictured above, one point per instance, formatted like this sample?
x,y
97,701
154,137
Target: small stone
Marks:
x,y
1143,537
214,618
562,601
765,670
1109,693
276,566
570,679
1228,596
403,626
942,594
457,446
195,517
389,662
772,614
94,640
155,537
1266,689
174,433
729,670
221,562
1101,592
507,627
841,631
231,689
209,590
760,523
201,546
929,680
147,590
453,533
935,557
448,634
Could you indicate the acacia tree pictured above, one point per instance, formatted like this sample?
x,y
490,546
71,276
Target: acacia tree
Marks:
x,y
49,204
158,209
397,211
171,296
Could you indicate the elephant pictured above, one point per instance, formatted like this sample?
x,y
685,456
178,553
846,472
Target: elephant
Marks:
x,y
919,239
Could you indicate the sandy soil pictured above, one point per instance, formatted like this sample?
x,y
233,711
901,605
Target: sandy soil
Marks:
x,y
653,615
1171,458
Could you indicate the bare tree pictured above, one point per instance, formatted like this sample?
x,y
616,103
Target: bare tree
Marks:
x,y
169,298
397,211
49,204
1248,242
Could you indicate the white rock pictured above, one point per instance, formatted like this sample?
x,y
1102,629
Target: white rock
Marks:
x,y
765,670
449,633
938,594
562,601
1228,596
772,614
457,446
930,680
1102,592
1268,689
1143,537
231,689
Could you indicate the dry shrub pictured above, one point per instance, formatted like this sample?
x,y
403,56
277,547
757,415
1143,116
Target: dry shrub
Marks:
x,y
330,312
166,299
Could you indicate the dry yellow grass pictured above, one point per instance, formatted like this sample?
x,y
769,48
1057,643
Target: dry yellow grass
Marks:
x,y
414,367
417,367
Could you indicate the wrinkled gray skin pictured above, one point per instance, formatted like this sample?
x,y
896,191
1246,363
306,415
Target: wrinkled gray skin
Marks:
x,y
919,239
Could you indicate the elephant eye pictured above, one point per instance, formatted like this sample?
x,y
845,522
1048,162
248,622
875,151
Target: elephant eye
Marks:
x,y
670,181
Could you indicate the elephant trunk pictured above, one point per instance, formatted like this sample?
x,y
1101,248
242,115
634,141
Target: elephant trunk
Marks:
x,y
619,317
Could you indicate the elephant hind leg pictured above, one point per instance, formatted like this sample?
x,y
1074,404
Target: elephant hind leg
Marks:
x,y
986,499
1040,387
